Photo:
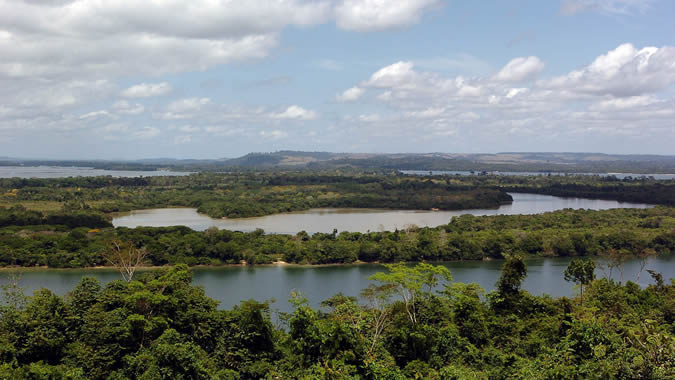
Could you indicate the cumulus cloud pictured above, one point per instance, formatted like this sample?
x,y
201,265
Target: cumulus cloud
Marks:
x,y
63,38
622,72
148,37
520,69
615,95
295,112
146,90
350,94
369,15
395,75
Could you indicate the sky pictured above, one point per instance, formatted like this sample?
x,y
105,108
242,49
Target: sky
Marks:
x,y
128,79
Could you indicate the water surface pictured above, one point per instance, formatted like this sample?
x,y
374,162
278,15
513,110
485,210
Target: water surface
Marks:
x,y
230,285
77,171
355,220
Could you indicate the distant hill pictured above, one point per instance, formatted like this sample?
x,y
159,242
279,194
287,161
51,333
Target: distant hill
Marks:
x,y
298,160
508,161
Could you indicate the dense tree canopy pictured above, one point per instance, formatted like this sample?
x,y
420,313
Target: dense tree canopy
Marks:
x,y
161,326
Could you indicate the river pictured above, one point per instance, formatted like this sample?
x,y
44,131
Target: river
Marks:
x,y
355,220
229,285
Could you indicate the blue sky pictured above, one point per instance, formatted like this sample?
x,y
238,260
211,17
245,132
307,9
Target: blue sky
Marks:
x,y
210,79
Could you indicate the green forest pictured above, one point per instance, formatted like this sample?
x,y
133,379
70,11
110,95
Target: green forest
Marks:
x,y
80,238
411,323
246,194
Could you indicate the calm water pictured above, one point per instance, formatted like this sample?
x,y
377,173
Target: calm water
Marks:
x,y
76,171
355,220
660,176
230,285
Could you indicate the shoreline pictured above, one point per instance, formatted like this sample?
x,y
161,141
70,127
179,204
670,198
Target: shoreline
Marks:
x,y
199,266
281,264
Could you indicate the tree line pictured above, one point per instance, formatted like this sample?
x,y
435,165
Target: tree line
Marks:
x,y
621,232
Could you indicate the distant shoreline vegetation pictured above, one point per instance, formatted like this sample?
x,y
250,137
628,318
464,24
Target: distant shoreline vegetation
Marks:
x,y
249,194
620,232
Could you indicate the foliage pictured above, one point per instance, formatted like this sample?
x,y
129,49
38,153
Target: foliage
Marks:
x,y
616,234
161,326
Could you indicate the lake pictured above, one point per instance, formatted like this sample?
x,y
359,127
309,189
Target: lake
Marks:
x,y
355,220
76,171
229,285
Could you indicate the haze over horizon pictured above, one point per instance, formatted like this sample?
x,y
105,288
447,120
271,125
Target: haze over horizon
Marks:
x,y
209,79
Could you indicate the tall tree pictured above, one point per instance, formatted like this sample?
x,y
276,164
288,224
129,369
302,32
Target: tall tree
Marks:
x,y
126,257
581,272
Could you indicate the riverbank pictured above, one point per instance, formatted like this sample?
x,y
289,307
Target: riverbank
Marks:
x,y
560,233
147,268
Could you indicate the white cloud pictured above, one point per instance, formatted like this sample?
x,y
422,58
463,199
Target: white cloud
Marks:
x,y
57,39
350,94
624,103
397,74
188,104
622,72
145,37
369,15
603,99
295,112
95,114
273,134
520,69
146,90
145,133
513,92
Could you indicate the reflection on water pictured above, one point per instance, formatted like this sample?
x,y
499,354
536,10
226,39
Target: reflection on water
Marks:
x,y
355,220
229,285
